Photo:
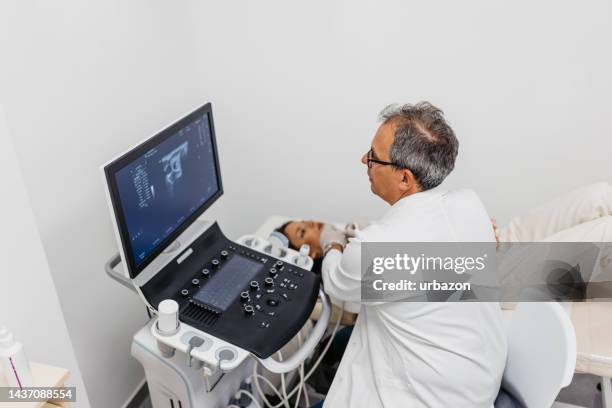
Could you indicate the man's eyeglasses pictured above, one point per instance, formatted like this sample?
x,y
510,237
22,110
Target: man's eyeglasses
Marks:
x,y
371,160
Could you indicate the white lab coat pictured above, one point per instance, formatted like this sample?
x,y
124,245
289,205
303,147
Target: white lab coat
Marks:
x,y
409,354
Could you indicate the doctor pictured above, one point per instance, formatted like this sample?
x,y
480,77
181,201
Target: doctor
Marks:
x,y
408,354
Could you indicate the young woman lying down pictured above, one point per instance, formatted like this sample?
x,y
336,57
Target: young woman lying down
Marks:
x,y
564,218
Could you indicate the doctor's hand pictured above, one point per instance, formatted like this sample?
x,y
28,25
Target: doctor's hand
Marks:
x,y
331,237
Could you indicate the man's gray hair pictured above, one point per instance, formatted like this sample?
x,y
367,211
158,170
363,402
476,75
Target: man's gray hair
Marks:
x,y
424,143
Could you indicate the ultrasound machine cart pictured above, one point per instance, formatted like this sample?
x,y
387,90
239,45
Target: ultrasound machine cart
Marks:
x,y
219,305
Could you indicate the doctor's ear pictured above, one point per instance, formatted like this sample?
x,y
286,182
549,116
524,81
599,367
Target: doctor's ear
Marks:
x,y
409,182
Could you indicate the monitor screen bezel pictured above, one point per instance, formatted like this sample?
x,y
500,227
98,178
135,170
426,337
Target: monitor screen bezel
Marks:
x,y
112,168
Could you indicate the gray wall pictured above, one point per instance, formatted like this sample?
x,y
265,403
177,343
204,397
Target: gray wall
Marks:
x,y
295,88
525,84
83,82
29,305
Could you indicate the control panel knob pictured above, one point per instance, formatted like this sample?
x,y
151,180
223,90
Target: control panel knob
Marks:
x,y
272,302
195,282
224,254
269,282
206,272
248,309
184,292
244,296
254,285
215,263
273,271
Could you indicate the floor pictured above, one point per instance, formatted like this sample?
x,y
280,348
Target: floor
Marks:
x,y
583,391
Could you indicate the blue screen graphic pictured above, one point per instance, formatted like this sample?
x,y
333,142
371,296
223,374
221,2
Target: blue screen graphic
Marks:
x,y
162,188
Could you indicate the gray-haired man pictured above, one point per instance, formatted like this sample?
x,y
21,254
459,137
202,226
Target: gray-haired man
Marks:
x,y
408,354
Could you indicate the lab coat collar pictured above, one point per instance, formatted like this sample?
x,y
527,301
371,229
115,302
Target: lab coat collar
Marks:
x,y
413,200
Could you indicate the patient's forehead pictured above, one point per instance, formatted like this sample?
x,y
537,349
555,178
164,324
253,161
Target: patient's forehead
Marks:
x,y
292,227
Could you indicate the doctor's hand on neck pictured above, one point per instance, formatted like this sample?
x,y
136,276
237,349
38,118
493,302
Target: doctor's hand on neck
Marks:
x,y
333,238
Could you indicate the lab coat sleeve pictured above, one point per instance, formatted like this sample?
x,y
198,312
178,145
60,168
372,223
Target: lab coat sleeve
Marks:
x,y
341,272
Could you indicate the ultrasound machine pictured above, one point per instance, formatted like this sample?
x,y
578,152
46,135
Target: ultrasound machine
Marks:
x,y
219,307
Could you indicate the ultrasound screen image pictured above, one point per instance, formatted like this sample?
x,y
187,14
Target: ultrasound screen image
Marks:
x,y
163,187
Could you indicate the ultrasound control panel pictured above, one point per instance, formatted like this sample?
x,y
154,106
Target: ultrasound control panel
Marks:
x,y
237,294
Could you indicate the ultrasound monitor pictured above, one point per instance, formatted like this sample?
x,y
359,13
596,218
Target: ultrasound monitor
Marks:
x,y
161,186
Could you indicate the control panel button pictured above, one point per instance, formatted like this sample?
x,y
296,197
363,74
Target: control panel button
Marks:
x,y
206,272
272,302
195,282
215,263
254,285
224,254
248,309
279,264
269,282
273,271
184,292
244,296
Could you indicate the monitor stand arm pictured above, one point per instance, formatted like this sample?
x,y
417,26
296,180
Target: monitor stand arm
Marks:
x,y
110,266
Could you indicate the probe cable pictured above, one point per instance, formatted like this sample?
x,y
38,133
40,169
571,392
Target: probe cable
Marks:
x,y
256,376
301,368
283,384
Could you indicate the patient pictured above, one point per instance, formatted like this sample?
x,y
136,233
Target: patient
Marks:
x,y
582,215
562,215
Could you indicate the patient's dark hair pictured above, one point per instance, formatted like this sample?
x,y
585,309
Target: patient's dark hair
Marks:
x,y
281,229
317,263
